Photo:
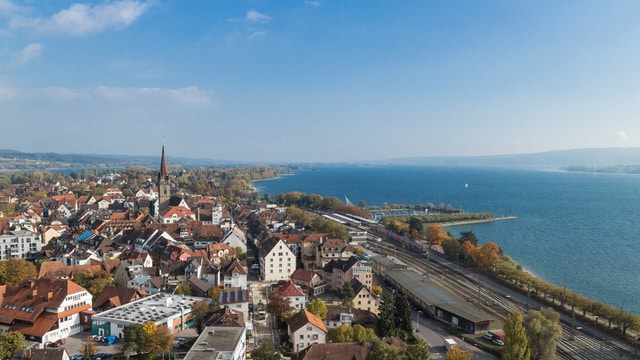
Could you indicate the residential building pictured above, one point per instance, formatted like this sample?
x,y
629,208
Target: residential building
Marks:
x,y
44,310
340,315
364,298
20,244
337,351
277,262
297,297
337,272
235,299
305,329
234,275
310,281
332,249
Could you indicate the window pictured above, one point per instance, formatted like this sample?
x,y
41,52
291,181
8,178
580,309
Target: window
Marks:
x,y
309,328
301,337
314,337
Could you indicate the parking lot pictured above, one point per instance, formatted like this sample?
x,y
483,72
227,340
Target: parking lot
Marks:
x,y
75,344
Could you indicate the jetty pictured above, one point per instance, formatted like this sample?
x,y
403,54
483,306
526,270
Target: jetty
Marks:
x,y
474,221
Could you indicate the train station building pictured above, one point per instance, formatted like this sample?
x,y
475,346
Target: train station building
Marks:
x,y
438,302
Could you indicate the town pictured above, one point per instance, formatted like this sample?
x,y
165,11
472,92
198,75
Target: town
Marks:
x,y
194,277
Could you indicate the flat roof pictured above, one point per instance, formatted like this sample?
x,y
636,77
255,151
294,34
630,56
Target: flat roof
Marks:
x,y
432,294
153,308
216,343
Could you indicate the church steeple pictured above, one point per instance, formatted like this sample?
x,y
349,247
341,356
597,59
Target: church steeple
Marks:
x,y
164,186
163,167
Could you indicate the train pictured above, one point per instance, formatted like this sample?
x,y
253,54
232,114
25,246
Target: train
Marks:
x,y
413,245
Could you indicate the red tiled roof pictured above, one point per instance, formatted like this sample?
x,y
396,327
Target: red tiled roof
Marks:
x,y
289,289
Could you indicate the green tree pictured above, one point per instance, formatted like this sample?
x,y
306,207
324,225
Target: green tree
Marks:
x,y
135,340
94,283
16,271
386,314
265,351
516,345
347,294
318,308
183,288
10,342
468,236
403,312
418,351
543,329
384,351
415,224
198,310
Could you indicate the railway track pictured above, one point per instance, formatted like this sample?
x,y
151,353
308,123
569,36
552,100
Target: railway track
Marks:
x,y
573,344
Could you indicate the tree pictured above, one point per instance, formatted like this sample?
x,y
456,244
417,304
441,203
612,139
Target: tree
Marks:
x,y
265,352
436,234
516,345
198,311
415,224
384,351
89,349
240,254
183,288
386,313
10,342
347,333
543,329
318,308
457,354
214,293
468,236
135,340
347,294
403,313
94,283
278,306
418,351
16,271
160,342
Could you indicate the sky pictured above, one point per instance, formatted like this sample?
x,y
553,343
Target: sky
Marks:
x,y
318,81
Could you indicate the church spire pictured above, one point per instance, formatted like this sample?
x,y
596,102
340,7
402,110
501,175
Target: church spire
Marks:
x,y
163,166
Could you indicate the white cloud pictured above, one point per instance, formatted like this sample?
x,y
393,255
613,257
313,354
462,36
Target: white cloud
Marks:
x,y
257,34
620,136
30,52
181,96
82,19
7,7
312,3
257,17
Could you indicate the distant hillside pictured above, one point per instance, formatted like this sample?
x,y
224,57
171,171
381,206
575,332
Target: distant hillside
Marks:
x,y
558,159
12,160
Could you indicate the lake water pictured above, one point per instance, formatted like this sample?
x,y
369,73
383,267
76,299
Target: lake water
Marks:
x,y
580,230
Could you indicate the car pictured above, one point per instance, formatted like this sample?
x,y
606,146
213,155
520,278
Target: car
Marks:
x,y
94,338
498,342
488,336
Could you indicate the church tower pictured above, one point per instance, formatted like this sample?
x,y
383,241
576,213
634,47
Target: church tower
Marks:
x,y
164,186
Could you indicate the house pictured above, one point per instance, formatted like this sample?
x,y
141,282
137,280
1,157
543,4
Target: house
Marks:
x,y
305,329
112,297
235,299
364,298
309,248
297,297
219,343
234,275
340,315
332,249
223,317
41,354
277,261
175,213
310,281
235,238
44,310
337,272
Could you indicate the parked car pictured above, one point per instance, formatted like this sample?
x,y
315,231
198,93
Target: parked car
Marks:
x,y
497,342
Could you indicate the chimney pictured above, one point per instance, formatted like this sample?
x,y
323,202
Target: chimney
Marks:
x,y
50,295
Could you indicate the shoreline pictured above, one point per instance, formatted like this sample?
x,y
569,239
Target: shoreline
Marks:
x,y
476,221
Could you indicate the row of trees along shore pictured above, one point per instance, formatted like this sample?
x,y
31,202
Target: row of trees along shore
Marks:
x,y
490,259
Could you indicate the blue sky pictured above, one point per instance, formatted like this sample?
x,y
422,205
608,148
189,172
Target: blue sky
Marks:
x,y
318,81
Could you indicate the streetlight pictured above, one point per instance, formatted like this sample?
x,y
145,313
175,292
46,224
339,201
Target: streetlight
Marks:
x,y
595,325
